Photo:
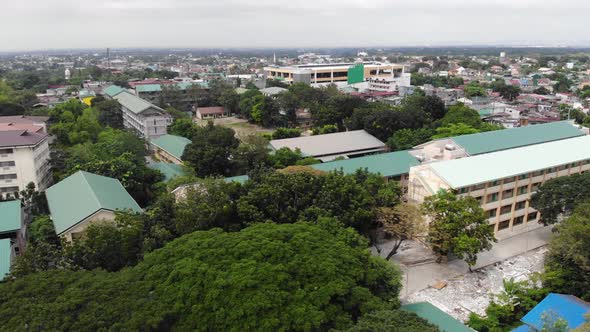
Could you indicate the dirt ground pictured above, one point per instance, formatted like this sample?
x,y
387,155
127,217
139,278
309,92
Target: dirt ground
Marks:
x,y
240,126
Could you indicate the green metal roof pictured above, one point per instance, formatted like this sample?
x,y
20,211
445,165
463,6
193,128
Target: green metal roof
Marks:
x,y
516,137
10,213
485,112
172,144
4,257
387,164
134,103
113,90
158,87
437,317
487,167
240,179
82,194
169,170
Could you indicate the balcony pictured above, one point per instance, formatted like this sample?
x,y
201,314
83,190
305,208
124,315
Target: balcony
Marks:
x,y
7,170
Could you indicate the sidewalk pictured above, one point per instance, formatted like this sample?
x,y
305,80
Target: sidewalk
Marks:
x,y
421,272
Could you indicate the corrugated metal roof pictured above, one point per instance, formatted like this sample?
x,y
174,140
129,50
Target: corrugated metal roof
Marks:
x,y
330,144
240,179
568,307
4,257
21,137
113,90
387,164
497,165
158,87
10,213
506,139
82,194
134,103
435,316
169,170
172,144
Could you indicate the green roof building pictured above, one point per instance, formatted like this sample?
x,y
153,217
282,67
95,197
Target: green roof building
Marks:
x,y
11,217
84,198
437,317
170,148
5,255
392,164
112,91
241,179
170,170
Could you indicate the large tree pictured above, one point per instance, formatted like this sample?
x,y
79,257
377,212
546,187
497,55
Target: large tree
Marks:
x,y
458,226
402,222
558,197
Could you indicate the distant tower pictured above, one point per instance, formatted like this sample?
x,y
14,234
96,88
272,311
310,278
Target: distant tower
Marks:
x,y
274,58
108,58
68,74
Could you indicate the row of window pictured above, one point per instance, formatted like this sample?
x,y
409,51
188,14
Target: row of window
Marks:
x,y
6,151
7,163
523,176
506,209
517,221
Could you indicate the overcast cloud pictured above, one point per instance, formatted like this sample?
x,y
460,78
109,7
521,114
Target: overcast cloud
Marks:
x,y
41,24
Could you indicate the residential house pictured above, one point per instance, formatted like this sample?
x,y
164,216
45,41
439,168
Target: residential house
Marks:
x,y
214,112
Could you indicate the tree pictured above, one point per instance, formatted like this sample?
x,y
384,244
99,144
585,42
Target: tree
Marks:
x,y
461,114
557,197
431,105
269,277
109,113
454,129
183,127
404,139
210,150
280,133
567,264
509,92
392,320
541,91
474,90
33,202
458,226
402,222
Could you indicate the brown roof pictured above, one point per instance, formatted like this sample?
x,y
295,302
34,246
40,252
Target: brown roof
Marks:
x,y
20,138
211,110
23,119
17,126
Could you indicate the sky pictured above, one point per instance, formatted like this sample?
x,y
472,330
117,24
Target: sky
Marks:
x,y
57,24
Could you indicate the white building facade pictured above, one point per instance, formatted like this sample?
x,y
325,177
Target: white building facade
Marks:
x,y
146,119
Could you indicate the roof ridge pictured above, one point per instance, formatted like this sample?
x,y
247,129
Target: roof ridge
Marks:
x,y
91,188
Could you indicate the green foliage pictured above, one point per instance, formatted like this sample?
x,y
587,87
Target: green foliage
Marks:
x,y
461,114
392,320
210,150
266,277
327,129
567,264
405,139
436,81
454,129
473,89
280,133
558,197
509,92
184,127
458,226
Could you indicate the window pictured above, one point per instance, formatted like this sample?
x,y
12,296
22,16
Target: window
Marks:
x,y
535,186
538,173
5,151
523,176
506,209
8,189
522,190
520,205
7,176
492,198
518,221
477,187
463,190
508,180
551,170
6,163
492,213
562,167
479,199
503,225
494,183
507,193
532,216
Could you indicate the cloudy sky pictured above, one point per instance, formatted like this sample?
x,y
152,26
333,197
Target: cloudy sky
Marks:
x,y
41,24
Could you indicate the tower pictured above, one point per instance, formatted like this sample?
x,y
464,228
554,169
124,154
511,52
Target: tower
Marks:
x,y
67,74
274,58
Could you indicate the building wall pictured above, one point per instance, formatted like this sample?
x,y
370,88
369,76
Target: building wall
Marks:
x,y
21,165
165,156
78,230
145,124
505,201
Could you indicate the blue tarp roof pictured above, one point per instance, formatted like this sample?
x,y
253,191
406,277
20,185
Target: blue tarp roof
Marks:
x,y
568,307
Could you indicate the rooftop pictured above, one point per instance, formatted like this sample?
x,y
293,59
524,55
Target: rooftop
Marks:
x,y
172,144
11,217
273,90
113,90
568,307
331,144
516,137
134,103
437,317
82,194
497,165
169,170
211,110
240,179
4,257
387,164
22,137
23,119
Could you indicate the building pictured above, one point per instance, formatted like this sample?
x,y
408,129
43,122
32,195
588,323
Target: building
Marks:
x,y
24,158
213,112
169,148
11,238
567,307
146,119
83,199
503,181
183,93
111,91
36,124
334,72
331,146
273,91
170,170
437,317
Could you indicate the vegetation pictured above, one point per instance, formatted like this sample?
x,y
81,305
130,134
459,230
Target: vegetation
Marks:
x,y
558,197
402,222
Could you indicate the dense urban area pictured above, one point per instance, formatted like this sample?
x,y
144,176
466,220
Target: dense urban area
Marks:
x,y
410,189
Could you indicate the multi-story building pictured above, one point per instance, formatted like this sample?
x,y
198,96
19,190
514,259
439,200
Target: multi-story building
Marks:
x,y
503,181
24,158
334,72
147,119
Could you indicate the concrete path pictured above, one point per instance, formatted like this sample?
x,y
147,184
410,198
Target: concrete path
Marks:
x,y
422,272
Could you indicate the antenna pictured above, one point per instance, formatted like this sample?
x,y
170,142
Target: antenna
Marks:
x,y
108,58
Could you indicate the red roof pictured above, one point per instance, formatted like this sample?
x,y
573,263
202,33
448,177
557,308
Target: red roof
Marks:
x,y
211,110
